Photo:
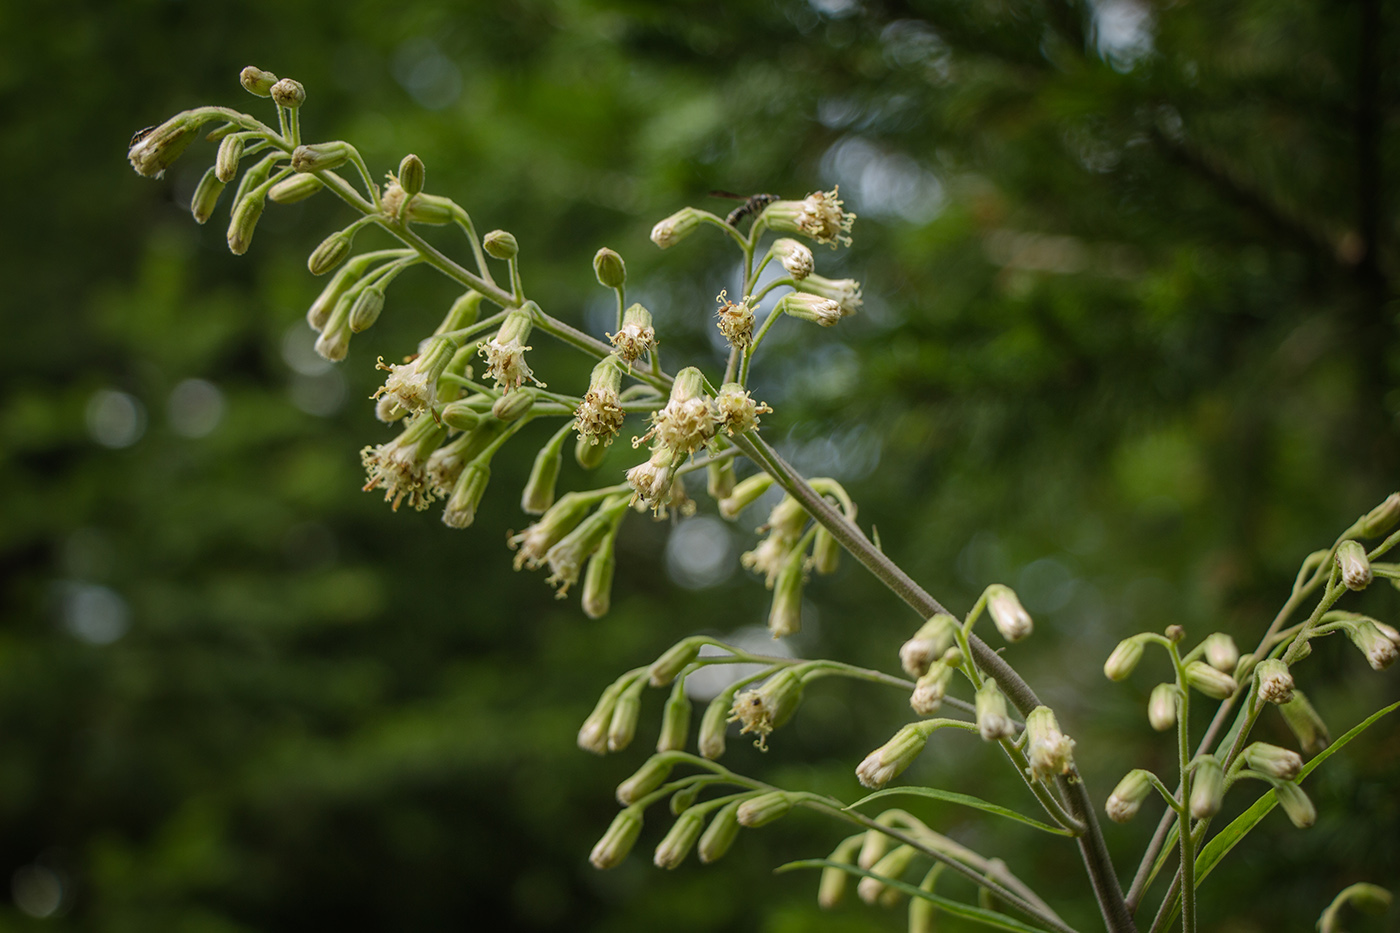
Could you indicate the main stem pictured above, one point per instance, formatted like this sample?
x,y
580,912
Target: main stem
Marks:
x,y
1092,848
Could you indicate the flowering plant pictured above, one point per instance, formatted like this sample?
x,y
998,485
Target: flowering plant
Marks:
x,y
452,420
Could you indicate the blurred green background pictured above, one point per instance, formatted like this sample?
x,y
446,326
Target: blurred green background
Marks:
x,y
1128,345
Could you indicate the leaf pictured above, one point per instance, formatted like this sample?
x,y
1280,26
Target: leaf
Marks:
x,y
966,911
976,803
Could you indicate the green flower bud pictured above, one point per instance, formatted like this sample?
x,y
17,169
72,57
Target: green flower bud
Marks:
x,y
500,244
893,864
720,479
1124,658
1213,683
206,197
243,222
430,209
411,174
1207,788
745,493
1220,652
463,313
226,162
593,734
1355,566
334,342
609,268
1307,725
665,668
675,722
1161,707
886,762
597,581
651,775
330,253
713,725
367,306
288,93
154,150
294,189
1010,618
1275,681
618,840
513,406
460,415
1282,763
762,809
1048,749
1373,642
930,689
929,643
1379,520
1299,809
683,799
922,915
460,511
826,552
993,723
785,613
808,307
623,727
1126,799
321,157
538,494
676,227
679,840
831,890
720,834
256,81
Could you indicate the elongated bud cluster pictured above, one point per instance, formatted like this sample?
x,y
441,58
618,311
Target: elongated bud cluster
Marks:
x,y
763,809
1009,616
770,706
1161,706
1307,726
609,268
818,217
845,292
1207,788
320,157
1220,652
1124,659
618,841
993,721
889,760
256,81
813,308
933,685
1282,763
1126,799
599,416
1275,681
1048,749
1355,567
796,258
289,93
679,840
1213,683
651,775
675,228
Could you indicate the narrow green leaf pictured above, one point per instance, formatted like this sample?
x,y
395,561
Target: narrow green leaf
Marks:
x,y
966,911
975,803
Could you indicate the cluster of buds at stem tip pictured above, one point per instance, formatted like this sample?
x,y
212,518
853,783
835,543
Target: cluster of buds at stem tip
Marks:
x,y
768,707
1275,681
687,422
636,338
1355,567
1049,749
599,415
889,760
505,352
735,321
1125,801
1010,617
932,686
993,719
1377,641
796,259
818,217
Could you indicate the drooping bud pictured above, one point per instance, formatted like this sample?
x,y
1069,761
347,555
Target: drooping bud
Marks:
x,y
369,302
745,493
805,307
886,762
411,174
623,726
500,245
226,162
206,197
763,809
256,81
243,222
593,734
651,775
538,494
831,890
598,579
1213,683
922,912
1220,652
675,228
1379,520
1010,617
618,841
557,521
153,151
334,342
463,313
929,643
1126,799
785,612
320,157
1282,763
675,723
720,479
1368,898
1307,725
288,93
770,706
566,557
599,415
993,722
720,834
609,268
294,189
514,406
1379,650
683,799
796,258
666,668
331,252
679,840
1275,681
1161,707
1207,788
819,217
826,552
933,685
1048,749
460,510
1299,809
588,454
1124,658
891,865
713,724
1356,568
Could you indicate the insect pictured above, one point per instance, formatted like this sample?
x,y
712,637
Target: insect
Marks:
x,y
140,135
752,205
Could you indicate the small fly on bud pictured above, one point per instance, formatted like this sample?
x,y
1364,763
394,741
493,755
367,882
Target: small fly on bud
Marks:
x,y
753,204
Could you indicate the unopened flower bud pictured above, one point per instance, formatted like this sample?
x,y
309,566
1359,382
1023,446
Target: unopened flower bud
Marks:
x,y
1299,809
1126,799
460,415
992,720
713,725
845,292
1379,520
720,479
651,775
675,723
153,151
826,552
1207,788
411,174
596,599
679,840
665,668
1282,763
367,307
930,689
928,644
429,209
886,762
289,93
676,227
618,840
720,834
538,494
1306,724
683,799
330,253
785,612
1124,658
206,197
765,808
922,912
1220,652
1161,707
460,510
831,890
807,307
593,734
1368,898
1048,749
891,865
623,726
1175,633
294,189
500,244
1213,683
796,258
334,342
1380,651
243,222
1010,617
588,454
609,268
256,81
1275,681
512,407
226,162
745,493
1356,568
320,157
